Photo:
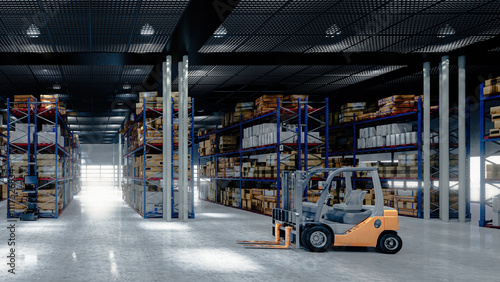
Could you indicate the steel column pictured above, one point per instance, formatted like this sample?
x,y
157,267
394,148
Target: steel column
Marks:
x,y
180,139
185,140
444,140
482,162
120,170
462,140
426,140
167,139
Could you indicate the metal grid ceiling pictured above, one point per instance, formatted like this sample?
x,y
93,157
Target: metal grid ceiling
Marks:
x,y
291,79
80,81
88,26
356,26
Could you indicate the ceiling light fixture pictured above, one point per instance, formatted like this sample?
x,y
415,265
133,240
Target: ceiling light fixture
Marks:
x,y
33,31
126,86
333,31
446,31
147,29
220,32
137,70
56,86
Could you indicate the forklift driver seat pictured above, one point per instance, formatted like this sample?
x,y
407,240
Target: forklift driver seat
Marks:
x,y
353,201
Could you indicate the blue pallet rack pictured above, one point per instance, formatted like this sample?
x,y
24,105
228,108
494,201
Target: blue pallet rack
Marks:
x,y
303,116
155,145
413,115
64,181
493,144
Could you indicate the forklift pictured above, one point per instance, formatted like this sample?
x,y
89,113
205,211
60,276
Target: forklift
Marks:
x,y
318,226
30,187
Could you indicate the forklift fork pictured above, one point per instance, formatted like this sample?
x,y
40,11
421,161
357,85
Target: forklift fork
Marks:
x,y
288,231
275,242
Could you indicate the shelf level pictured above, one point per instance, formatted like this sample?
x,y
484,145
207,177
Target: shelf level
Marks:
x,y
283,112
44,148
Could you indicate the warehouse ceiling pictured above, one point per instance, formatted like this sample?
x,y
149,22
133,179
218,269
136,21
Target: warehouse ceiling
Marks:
x,y
99,54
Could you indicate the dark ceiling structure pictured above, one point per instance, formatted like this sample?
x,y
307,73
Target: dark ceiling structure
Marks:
x,y
99,54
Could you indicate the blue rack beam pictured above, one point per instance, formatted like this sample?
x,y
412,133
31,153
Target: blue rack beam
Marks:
x,y
485,140
155,145
33,115
300,114
410,115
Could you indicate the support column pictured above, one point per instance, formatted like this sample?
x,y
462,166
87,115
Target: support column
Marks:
x,y
444,140
183,139
180,132
462,141
114,170
426,140
167,139
120,170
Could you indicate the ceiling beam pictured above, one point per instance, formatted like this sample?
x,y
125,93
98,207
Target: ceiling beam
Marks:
x,y
200,20
83,59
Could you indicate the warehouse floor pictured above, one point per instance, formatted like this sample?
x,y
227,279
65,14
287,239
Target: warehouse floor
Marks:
x,y
100,238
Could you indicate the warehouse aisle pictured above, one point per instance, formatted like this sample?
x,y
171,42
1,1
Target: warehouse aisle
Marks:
x,y
100,238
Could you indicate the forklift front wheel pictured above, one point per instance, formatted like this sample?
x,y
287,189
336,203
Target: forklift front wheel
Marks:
x,y
317,238
390,243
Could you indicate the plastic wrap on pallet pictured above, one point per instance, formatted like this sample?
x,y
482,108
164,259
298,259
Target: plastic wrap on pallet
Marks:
x,y
381,141
361,143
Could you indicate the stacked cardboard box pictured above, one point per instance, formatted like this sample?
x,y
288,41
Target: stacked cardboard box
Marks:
x,y
292,101
491,86
387,170
388,197
49,101
342,162
313,161
46,200
369,197
21,101
202,132
492,171
208,169
267,103
349,110
257,199
46,165
226,196
243,111
406,201
396,104
228,143
3,193
407,166
246,199
495,118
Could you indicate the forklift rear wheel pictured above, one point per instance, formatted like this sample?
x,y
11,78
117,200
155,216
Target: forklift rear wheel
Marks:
x,y
390,243
317,238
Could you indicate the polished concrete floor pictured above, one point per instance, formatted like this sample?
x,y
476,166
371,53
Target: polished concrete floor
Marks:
x,y
100,238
